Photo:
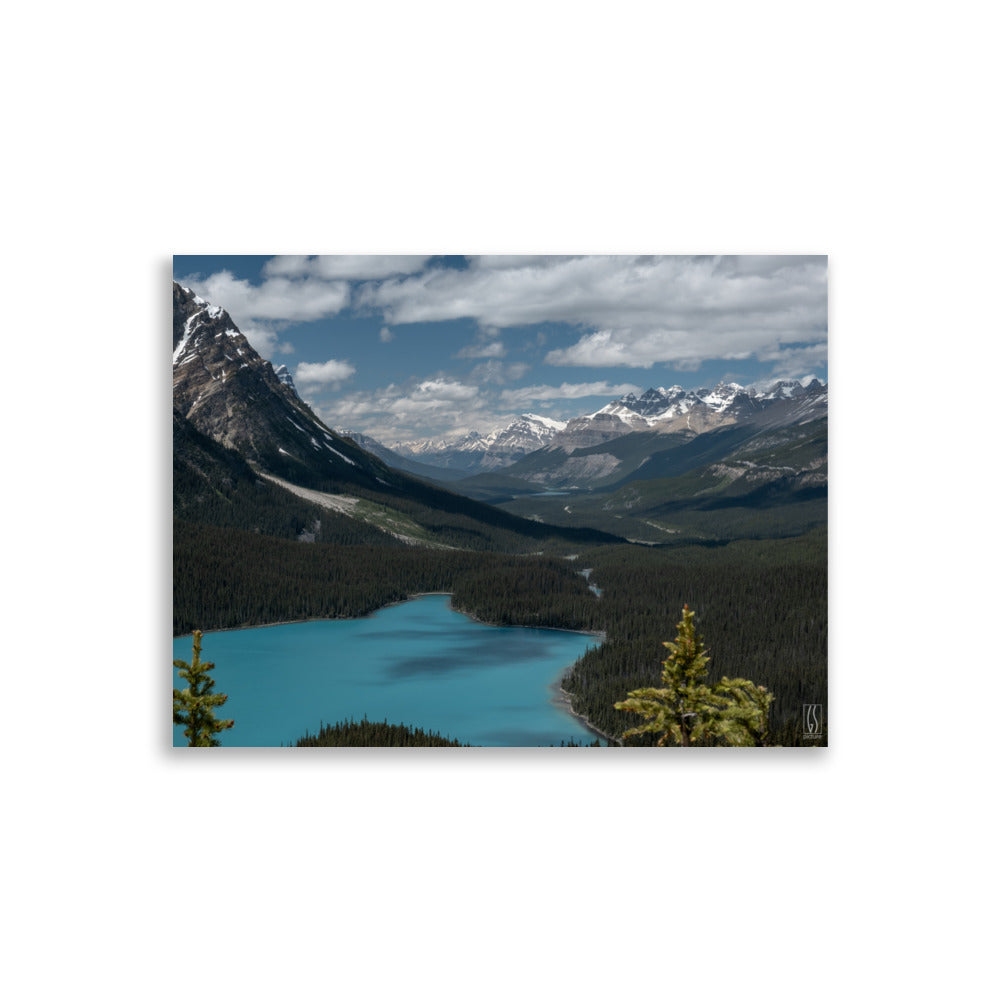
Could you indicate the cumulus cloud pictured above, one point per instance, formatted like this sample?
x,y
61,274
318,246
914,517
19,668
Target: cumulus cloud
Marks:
x,y
499,372
265,340
435,391
385,335
263,311
428,406
793,362
344,266
627,348
501,261
633,311
483,349
287,266
322,375
577,390
276,298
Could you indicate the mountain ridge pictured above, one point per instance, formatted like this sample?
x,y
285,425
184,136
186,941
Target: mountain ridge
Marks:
x,y
477,452
580,453
225,391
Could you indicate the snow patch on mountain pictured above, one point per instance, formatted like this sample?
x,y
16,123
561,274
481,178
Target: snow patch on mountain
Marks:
x,y
476,452
284,376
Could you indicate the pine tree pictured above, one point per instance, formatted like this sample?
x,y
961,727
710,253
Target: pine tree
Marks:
x,y
193,706
687,710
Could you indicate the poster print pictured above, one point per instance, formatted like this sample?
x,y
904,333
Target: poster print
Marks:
x,y
500,501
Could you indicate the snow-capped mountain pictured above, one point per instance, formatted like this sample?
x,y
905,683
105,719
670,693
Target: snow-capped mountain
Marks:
x,y
475,452
526,434
231,394
658,405
649,435
673,411
396,461
653,404
284,375
238,426
688,411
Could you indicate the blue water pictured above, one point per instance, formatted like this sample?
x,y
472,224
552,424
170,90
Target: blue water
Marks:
x,y
419,664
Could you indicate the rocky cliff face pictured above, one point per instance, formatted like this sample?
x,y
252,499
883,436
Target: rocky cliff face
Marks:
x,y
625,437
586,432
285,377
231,394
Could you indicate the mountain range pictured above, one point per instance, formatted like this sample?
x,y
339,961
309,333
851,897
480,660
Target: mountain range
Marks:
x,y
241,432
701,452
477,452
716,497
668,411
663,432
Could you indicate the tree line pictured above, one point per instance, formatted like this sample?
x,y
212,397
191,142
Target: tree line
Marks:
x,y
763,605
228,578
350,733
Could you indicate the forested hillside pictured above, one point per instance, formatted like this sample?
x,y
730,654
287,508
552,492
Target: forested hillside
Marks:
x,y
279,518
761,606
761,603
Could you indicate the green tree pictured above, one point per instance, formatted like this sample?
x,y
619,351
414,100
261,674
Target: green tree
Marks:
x,y
687,710
193,707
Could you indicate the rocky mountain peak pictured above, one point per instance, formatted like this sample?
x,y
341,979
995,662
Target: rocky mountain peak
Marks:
x,y
231,394
284,376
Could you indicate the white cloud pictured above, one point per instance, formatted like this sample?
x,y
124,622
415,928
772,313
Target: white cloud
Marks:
x,y
262,311
323,375
481,349
796,361
287,266
432,406
507,260
276,299
442,390
498,372
344,266
385,335
577,390
635,311
682,349
264,340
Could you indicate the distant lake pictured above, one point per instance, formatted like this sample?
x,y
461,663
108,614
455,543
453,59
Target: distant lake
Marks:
x,y
419,664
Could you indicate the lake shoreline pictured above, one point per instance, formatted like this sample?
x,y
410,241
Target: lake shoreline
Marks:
x,y
395,604
559,698
562,700
545,628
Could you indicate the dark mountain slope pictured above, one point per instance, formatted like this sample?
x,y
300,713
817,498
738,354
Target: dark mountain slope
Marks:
x,y
231,394
725,484
214,485
225,391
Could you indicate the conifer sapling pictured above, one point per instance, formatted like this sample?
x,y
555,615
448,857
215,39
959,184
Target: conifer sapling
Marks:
x,y
193,707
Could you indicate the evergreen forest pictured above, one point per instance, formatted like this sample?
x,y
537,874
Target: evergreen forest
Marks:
x,y
374,734
247,552
762,605
350,733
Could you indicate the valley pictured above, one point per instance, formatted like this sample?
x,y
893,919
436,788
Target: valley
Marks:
x,y
713,498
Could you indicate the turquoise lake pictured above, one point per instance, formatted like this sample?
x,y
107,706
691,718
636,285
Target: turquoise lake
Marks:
x,y
419,664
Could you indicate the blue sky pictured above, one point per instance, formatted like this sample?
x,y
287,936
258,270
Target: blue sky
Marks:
x,y
406,347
